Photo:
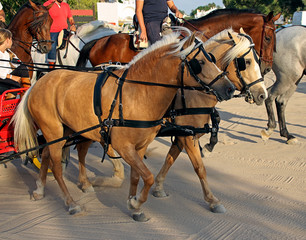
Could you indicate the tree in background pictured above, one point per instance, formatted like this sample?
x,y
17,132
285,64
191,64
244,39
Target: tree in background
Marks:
x,y
204,8
286,7
11,8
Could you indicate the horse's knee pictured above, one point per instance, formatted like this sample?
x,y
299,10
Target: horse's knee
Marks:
x,y
149,180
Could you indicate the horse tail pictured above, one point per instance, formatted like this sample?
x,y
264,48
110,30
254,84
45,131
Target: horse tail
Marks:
x,y
84,54
25,132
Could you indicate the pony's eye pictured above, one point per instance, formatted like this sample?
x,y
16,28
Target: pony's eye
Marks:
x,y
248,62
267,39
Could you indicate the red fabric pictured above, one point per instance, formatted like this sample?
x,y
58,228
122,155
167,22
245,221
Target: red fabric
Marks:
x,y
84,12
59,14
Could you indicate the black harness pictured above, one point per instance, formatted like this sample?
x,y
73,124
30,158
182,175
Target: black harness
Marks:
x,y
240,65
194,68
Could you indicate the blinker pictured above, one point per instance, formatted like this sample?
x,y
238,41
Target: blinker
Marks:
x,y
241,64
195,66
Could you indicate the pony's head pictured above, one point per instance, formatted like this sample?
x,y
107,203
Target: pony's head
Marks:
x,y
235,53
193,63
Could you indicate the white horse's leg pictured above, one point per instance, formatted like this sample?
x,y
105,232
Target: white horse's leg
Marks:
x,y
117,179
281,103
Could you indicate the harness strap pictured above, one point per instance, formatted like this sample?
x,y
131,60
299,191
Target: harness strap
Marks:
x,y
182,85
187,111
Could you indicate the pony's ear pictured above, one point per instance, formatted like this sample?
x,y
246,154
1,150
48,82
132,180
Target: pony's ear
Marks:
x,y
189,41
276,17
242,31
33,5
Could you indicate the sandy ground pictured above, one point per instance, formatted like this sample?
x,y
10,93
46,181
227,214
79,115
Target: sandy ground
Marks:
x,y
261,184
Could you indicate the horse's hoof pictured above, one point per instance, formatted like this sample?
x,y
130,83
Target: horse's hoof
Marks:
x,y
160,194
218,209
73,209
208,147
88,189
35,196
265,135
140,217
133,203
292,141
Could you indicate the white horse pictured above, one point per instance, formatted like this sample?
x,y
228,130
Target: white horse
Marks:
x,y
85,33
289,66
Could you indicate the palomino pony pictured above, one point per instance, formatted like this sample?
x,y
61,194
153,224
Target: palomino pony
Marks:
x,y
289,66
32,21
151,81
70,53
234,53
119,47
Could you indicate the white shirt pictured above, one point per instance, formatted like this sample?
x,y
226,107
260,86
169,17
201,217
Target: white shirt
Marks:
x,y
1,7
5,67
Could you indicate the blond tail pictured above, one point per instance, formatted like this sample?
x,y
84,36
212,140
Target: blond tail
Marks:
x,y
25,132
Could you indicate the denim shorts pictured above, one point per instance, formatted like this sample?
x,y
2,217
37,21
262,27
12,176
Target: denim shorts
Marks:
x,y
52,53
153,31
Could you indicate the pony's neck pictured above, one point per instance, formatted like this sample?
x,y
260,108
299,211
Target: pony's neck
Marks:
x,y
154,69
213,25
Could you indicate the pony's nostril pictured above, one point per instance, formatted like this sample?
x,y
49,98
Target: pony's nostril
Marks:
x,y
262,97
231,90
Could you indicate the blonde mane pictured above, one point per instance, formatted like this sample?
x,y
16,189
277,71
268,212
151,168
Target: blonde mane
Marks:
x,y
241,44
173,38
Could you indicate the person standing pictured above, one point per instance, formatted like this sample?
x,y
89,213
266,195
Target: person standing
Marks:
x,y
150,15
13,74
59,12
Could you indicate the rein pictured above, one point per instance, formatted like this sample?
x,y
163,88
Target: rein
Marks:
x,y
245,91
195,28
107,124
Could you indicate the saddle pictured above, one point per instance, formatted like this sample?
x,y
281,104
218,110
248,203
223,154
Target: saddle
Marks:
x,y
62,39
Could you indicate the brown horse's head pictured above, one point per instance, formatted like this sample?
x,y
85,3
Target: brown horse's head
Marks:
x,y
40,26
32,21
259,27
268,42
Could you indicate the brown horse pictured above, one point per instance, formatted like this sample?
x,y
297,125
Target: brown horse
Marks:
x,y
52,105
119,47
227,47
32,21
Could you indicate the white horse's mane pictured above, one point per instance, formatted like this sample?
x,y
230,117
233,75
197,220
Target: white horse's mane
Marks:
x,y
242,44
168,39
